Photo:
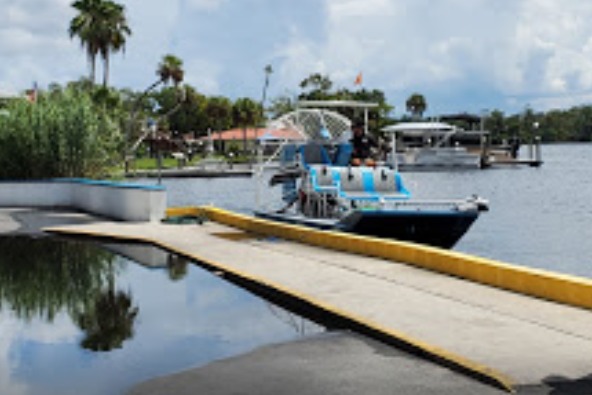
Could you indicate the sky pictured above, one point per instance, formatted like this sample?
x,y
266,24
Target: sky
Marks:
x,y
462,55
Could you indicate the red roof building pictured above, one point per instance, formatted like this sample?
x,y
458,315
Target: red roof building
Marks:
x,y
255,134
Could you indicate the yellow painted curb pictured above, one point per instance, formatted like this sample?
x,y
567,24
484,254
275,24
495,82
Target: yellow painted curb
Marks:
x,y
556,287
472,368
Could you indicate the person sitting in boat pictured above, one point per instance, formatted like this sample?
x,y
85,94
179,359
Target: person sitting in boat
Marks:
x,y
363,145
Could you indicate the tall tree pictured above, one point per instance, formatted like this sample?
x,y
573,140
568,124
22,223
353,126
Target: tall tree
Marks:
x,y
496,125
190,116
246,112
268,70
416,105
315,87
85,26
101,27
219,115
113,32
169,69
219,112
281,105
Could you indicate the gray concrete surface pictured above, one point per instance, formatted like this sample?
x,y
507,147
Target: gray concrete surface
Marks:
x,y
527,340
30,221
339,363
344,362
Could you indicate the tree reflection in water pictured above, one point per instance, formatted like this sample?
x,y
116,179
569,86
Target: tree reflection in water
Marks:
x,y
177,267
41,277
109,323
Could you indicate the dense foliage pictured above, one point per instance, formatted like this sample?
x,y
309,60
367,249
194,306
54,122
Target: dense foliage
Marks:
x,y
79,130
65,133
574,124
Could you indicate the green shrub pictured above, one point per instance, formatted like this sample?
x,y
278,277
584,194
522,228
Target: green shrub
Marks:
x,y
61,135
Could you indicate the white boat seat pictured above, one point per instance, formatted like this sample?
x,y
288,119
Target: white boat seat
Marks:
x,y
359,183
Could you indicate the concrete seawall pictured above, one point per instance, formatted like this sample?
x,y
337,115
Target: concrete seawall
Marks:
x,y
120,201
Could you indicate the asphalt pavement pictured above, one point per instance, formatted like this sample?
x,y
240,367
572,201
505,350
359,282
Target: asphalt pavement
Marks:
x,y
334,363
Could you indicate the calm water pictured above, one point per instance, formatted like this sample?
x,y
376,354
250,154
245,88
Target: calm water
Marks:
x,y
76,318
540,217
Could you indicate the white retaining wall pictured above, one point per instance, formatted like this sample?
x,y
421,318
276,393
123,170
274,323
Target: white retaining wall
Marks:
x,y
127,202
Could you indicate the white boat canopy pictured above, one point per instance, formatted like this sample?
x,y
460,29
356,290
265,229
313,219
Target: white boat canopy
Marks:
x,y
314,124
419,127
336,103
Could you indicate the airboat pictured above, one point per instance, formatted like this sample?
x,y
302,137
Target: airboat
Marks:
x,y
320,188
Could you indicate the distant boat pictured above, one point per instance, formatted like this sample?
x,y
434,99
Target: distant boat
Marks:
x,y
436,145
321,190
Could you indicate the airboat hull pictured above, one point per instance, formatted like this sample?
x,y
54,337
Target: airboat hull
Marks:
x,y
436,228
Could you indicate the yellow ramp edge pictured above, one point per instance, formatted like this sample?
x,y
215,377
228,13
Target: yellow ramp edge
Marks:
x,y
556,287
437,354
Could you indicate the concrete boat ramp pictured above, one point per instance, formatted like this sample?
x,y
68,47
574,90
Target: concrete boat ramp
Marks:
x,y
508,339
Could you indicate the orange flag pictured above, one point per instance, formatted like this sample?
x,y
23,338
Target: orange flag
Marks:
x,y
358,80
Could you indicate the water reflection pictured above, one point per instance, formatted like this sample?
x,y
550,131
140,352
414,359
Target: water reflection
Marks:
x,y
63,301
39,278
177,267
109,322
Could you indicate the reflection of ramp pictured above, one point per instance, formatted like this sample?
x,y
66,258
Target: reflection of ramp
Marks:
x,y
144,254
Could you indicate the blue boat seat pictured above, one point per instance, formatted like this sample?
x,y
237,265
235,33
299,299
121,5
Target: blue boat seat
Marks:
x,y
359,183
324,178
343,154
314,153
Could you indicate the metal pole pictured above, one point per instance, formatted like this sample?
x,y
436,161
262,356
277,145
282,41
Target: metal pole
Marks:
x,y
394,152
159,163
259,175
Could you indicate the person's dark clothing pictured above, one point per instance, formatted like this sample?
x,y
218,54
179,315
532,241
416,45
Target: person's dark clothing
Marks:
x,y
362,146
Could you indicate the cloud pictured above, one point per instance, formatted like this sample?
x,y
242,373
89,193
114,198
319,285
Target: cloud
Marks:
x,y
512,49
507,51
205,5
153,26
34,44
8,383
203,75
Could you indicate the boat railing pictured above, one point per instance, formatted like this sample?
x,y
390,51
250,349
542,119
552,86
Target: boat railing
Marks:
x,y
331,187
331,190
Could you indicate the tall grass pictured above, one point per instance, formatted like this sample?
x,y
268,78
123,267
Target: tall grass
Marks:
x,y
61,135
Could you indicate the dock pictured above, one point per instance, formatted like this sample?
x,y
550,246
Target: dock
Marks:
x,y
515,162
191,172
504,325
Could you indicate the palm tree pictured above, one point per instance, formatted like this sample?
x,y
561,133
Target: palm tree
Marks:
x,y
268,70
85,27
102,28
246,112
169,69
112,33
416,105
